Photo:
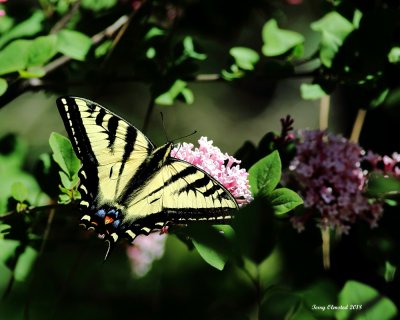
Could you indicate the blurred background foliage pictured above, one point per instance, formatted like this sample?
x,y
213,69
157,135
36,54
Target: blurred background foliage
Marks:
x,y
229,70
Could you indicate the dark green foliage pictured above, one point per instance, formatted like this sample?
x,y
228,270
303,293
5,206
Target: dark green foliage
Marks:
x,y
258,267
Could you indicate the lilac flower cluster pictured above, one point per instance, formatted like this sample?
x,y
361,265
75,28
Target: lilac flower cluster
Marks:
x,y
220,166
387,165
327,170
144,251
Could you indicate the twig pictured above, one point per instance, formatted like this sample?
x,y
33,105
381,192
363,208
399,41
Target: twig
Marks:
x,y
106,33
31,209
324,112
65,19
20,86
358,124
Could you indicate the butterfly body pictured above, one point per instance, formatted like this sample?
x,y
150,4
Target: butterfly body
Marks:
x,y
130,187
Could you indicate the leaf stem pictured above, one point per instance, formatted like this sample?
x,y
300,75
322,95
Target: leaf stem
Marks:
x,y
358,124
324,112
325,232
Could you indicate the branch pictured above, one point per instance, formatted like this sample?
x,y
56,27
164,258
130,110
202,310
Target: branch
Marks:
x,y
65,19
20,86
32,209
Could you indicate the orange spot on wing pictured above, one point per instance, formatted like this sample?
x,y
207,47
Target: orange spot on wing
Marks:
x,y
108,220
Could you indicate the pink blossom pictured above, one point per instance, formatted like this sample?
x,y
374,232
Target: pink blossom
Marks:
x,y
144,251
220,166
327,172
2,13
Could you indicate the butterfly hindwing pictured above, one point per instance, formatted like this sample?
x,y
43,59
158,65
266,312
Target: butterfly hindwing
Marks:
x,y
181,192
129,186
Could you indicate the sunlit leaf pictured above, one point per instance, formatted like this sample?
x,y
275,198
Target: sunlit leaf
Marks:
x,y
190,51
245,58
3,86
103,49
311,91
284,200
390,271
265,174
14,57
64,154
154,32
19,191
394,55
178,88
29,27
32,72
42,50
372,305
97,5
73,44
279,41
334,29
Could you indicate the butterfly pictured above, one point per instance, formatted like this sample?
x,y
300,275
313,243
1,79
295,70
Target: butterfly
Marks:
x,y
129,186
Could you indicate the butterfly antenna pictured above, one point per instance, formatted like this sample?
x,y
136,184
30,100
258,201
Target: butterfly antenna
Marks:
x,y
163,125
185,136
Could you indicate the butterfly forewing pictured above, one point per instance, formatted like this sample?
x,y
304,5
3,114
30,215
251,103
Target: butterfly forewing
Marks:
x,y
111,149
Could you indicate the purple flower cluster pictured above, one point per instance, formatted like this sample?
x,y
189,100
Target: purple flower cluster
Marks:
x,y
220,166
327,170
385,165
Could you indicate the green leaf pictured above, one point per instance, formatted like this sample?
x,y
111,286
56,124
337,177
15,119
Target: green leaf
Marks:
x,y
98,5
74,44
211,244
3,86
64,154
103,49
311,91
27,28
334,29
394,55
167,98
381,186
190,51
19,192
279,41
65,180
32,72
210,256
283,200
14,57
265,175
4,230
42,50
380,98
154,32
25,263
390,271
372,305
245,58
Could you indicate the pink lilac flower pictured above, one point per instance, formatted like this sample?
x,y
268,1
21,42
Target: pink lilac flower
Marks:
x,y
220,166
144,251
327,170
387,165
2,12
